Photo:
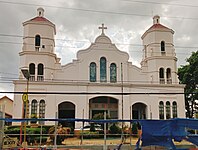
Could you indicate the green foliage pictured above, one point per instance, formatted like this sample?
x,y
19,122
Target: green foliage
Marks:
x,y
115,129
34,116
196,115
134,129
11,127
91,135
100,116
33,134
62,133
92,127
11,131
188,75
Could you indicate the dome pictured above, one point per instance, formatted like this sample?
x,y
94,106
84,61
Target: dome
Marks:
x,y
102,39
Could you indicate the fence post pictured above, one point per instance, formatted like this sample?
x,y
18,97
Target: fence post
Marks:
x,y
2,115
105,132
55,131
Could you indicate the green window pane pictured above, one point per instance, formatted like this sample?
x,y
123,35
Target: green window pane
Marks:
x,y
92,72
103,70
113,73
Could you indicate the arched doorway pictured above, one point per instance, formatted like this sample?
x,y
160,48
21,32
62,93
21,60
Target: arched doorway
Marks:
x,y
139,111
101,104
66,110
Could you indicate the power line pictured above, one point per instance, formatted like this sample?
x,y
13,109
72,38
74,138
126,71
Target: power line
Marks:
x,y
75,9
100,93
100,11
160,3
83,81
66,81
140,88
8,73
136,45
83,41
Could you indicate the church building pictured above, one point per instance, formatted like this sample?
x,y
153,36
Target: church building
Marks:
x,y
101,78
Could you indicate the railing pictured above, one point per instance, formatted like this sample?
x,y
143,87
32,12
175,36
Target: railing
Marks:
x,y
169,81
163,53
37,48
162,81
40,77
32,78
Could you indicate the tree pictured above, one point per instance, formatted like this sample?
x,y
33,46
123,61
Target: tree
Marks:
x,y
188,75
100,116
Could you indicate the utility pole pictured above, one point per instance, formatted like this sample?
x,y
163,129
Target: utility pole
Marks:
x,y
26,74
122,137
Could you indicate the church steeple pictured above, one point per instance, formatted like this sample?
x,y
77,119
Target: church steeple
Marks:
x,y
38,47
39,33
159,60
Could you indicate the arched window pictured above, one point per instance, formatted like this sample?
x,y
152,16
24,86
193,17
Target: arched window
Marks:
x,y
113,73
162,46
161,72
37,41
34,108
161,110
168,75
161,75
168,112
174,109
32,71
103,69
92,72
42,110
40,72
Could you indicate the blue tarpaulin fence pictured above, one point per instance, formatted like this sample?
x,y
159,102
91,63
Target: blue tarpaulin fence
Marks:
x,y
164,132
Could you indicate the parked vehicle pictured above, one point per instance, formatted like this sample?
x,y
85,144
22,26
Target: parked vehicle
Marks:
x,y
96,127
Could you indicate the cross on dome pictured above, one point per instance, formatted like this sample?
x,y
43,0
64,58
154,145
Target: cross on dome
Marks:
x,y
102,28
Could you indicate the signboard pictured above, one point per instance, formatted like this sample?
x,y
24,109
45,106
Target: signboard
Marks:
x,y
25,97
10,142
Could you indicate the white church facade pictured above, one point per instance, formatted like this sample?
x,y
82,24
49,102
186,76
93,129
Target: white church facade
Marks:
x,y
101,77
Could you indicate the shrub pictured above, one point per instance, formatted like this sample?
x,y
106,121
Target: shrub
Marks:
x,y
33,134
115,129
134,129
91,135
61,133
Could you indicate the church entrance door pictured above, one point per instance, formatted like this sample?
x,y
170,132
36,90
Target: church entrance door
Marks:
x,y
139,111
66,110
101,104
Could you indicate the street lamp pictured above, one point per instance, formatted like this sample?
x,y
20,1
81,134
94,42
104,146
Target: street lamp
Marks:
x,y
26,74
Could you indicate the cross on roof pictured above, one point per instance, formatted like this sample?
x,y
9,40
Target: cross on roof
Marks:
x,y
103,27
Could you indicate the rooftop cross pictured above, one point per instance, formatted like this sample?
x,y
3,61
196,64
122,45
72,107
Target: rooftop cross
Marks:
x,y
103,27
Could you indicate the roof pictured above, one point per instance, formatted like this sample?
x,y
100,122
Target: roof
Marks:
x,y
157,26
42,19
5,97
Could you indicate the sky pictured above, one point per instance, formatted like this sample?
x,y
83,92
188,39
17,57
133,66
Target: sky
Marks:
x,y
77,23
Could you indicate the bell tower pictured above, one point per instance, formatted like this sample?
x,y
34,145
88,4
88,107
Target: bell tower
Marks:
x,y
159,59
39,34
37,53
